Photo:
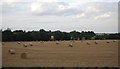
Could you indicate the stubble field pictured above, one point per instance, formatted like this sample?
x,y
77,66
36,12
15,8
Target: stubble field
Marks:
x,y
103,53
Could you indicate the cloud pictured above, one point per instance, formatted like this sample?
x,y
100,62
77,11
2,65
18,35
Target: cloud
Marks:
x,y
39,0
92,9
36,7
98,10
80,15
47,0
60,15
13,1
63,7
56,8
94,0
105,15
53,8
10,2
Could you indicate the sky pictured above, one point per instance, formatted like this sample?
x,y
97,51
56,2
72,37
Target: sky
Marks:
x,y
66,15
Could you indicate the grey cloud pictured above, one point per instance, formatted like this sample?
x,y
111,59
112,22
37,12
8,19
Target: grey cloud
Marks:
x,y
52,9
102,7
20,17
18,8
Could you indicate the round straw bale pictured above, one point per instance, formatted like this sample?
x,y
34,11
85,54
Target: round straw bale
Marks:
x,y
41,41
12,51
57,42
25,45
88,43
24,55
18,42
31,44
3,43
96,42
70,45
114,40
107,42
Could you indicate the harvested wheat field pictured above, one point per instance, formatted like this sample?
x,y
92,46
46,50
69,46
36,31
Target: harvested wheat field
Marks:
x,y
0,54
87,53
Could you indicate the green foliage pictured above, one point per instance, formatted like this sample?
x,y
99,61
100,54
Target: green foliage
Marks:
x,y
83,38
93,38
42,35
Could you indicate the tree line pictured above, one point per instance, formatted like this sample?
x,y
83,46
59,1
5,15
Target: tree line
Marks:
x,y
42,35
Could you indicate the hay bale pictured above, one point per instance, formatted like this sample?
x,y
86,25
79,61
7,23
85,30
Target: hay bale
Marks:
x,y
96,42
12,51
70,45
41,41
57,42
31,44
107,42
114,40
3,43
88,43
25,45
24,55
19,42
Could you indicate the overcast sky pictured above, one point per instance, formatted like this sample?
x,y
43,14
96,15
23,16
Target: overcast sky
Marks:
x,y
64,15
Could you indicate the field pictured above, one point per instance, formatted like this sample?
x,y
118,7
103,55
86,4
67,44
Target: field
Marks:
x,y
0,55
50,54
